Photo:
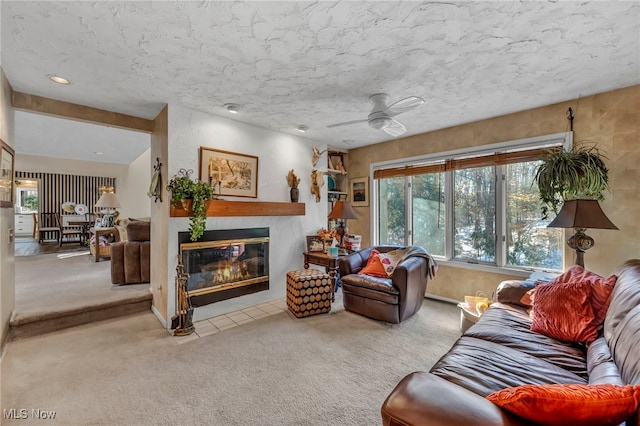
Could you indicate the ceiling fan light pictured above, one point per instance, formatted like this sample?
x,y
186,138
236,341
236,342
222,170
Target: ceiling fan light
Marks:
x,y
379,123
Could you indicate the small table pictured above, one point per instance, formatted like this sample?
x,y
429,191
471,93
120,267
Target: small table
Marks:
x,y
96,245
468,317
330,262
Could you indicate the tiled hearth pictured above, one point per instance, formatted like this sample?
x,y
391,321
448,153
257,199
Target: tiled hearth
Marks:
x,y
232,319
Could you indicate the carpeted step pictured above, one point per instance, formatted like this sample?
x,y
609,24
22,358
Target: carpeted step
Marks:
x,y
34,324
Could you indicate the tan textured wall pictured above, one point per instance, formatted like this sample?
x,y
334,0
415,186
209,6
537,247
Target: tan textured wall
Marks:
x,y
455,283
611,120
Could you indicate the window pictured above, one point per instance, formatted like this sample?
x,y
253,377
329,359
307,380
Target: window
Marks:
x,y
391,196
477,207
474,207
428,212
528,240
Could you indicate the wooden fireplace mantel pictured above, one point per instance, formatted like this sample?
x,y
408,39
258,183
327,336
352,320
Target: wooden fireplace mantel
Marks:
x,y
225,208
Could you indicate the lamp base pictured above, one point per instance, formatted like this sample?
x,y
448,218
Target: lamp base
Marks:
x,y
580,242
341,230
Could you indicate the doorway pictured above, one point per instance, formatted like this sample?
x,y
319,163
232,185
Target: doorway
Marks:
x,y
26,196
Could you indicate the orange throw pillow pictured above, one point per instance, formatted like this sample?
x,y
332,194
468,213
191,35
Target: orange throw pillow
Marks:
x,y
601,287
564,312
374,266
569,404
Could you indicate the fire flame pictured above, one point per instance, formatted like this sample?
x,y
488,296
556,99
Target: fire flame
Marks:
x,y
230,271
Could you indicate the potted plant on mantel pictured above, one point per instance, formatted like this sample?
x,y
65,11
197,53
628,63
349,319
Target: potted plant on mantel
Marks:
x,y
571,175
192,195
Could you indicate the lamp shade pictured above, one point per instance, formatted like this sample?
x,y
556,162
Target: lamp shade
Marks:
x,y
108,200
582,214
342,210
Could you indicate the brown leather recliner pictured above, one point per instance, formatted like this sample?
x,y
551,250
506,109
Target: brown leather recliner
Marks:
x,y
391,299
131,259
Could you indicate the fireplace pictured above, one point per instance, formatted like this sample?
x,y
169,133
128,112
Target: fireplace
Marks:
x,y
225,264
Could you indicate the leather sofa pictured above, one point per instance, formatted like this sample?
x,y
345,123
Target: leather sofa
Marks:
x,y
501,351
391,299
131,258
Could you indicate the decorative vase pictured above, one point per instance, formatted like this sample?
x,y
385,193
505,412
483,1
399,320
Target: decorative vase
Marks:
x,y
294,193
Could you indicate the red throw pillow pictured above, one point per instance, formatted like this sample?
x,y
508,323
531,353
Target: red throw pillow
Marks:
x,y
528,297
564,312
374,266
602,288
569,404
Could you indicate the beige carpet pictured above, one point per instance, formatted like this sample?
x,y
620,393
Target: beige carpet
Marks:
x,y
46,283
333,369
56,291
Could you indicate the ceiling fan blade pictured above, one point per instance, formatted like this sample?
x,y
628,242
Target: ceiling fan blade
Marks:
x,y
403,105
346,123
395,128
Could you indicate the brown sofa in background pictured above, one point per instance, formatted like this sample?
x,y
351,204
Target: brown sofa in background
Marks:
x,y
131,259
391,299
501,351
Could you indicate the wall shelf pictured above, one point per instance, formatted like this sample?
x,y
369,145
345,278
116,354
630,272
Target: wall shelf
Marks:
x,y
225,208
335,172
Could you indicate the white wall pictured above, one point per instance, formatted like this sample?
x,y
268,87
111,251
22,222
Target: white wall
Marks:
x,y
132,181
7,274
132,190
277,153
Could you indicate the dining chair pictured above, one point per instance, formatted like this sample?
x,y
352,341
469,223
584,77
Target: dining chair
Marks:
x,y
48,227
90,220
69,232
35,225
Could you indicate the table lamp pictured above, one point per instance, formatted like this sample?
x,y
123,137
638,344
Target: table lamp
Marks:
x,y
580,215
342,210
108,200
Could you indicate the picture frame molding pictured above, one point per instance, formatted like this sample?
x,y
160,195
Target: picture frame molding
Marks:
x,y
7,154
359,197
207,153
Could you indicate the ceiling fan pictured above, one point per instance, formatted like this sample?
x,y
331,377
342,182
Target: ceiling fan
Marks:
x,y
381,116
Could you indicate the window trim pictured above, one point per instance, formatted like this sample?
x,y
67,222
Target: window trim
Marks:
x,y
547,141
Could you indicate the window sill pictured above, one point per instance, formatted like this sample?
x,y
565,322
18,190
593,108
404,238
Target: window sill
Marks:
x,y
486,268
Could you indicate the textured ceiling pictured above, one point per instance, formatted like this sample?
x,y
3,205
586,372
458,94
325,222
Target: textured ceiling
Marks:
x,y
316,63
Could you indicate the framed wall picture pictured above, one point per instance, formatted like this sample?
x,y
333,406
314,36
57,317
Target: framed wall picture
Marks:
x,y
359,190
229,173
314,243
6,175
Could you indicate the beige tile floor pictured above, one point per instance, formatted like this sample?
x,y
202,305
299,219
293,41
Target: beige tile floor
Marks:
x,y
233,319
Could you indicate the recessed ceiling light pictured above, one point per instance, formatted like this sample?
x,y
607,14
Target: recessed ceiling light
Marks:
x,y
302,129
232,108
59,80
98,153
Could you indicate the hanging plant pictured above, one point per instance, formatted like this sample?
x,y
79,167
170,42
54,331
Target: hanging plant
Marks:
x,y
571,175
183,188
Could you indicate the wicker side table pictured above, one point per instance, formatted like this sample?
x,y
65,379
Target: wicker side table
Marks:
x,y
102,251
